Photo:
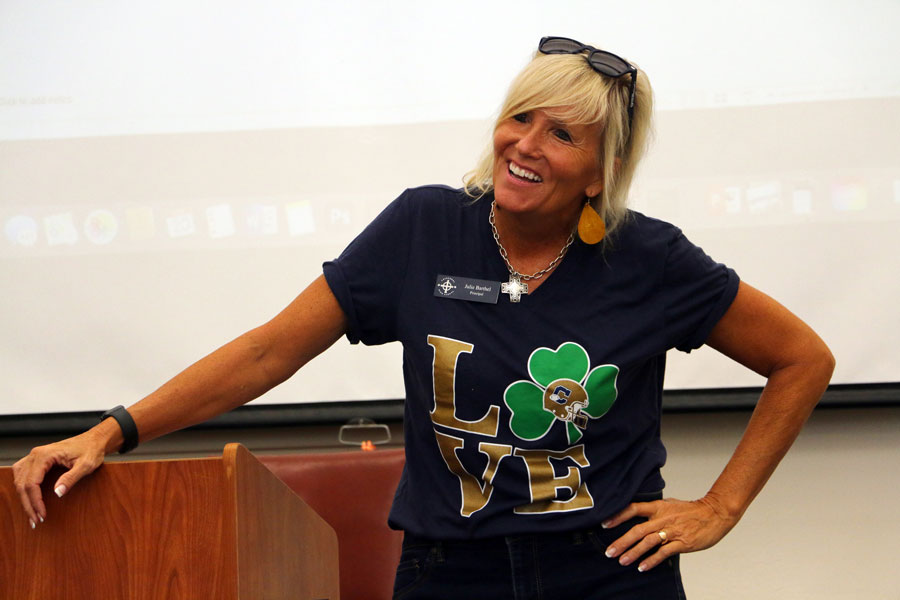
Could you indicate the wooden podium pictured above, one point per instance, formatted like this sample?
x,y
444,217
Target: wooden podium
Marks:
x,y
212,528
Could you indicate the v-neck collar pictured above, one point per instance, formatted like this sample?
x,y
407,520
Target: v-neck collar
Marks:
x,y
500,272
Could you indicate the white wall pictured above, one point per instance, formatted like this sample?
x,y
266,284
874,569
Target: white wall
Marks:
x,y
824,527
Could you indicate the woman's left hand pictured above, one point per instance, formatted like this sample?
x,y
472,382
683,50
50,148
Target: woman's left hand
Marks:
x,y
672,527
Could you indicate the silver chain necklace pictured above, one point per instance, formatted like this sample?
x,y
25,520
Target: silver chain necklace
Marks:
x,y
516,285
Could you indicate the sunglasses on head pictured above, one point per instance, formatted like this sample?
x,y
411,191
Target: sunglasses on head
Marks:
x,y
605,63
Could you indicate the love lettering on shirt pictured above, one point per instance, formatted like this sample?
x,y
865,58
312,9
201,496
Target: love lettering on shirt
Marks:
x,y
561,388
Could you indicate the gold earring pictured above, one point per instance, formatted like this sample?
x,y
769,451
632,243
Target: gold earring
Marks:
x,y
591,227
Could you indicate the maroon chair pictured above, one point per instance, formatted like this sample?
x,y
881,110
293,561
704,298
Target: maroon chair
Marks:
x,y
353,492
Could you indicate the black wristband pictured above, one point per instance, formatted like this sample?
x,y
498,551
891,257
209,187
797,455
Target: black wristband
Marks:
x,y
129,428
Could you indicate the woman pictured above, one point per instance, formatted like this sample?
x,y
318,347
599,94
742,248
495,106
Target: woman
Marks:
x,y
533,361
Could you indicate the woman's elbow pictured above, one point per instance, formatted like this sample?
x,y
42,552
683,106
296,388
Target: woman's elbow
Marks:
x,y
819,362
827,361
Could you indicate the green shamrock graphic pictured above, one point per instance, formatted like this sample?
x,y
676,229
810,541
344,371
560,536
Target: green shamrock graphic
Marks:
x,y
562,388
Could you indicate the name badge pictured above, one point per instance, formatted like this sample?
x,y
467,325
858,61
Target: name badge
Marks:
x,y
466,288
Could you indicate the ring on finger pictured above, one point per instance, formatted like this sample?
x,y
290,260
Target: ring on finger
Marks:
x,y
663,538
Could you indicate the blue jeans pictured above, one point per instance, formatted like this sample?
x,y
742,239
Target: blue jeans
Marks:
x,y
549,566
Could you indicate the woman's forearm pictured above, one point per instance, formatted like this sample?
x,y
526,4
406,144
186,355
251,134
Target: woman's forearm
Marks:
x,y
786,402
246,367
229,377
232,375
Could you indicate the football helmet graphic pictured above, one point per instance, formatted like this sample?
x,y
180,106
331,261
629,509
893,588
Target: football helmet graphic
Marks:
x,y
566,398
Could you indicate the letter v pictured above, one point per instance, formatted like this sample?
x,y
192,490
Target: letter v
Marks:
x,y
476,493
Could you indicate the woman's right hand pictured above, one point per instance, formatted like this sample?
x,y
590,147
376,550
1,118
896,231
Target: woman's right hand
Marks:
x,y
81,455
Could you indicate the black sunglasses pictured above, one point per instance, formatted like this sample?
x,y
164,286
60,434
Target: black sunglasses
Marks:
x,y
605,63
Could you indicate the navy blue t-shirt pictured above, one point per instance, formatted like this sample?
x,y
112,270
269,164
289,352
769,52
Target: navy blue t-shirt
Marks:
x,y
541,415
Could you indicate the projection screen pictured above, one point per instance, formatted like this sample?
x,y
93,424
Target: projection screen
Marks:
x,y
174,173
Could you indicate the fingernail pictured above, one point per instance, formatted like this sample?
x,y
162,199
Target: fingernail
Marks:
x,y
32,523
41,518
610,552
625,561
60,490
642,568
605,524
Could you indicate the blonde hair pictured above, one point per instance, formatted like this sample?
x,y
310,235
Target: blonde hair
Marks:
x,y
567,86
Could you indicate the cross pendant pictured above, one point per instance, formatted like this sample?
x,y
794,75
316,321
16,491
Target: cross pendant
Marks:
x,y
515,288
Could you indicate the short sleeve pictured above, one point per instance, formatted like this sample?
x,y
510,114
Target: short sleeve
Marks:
x,y
697,292
367,277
